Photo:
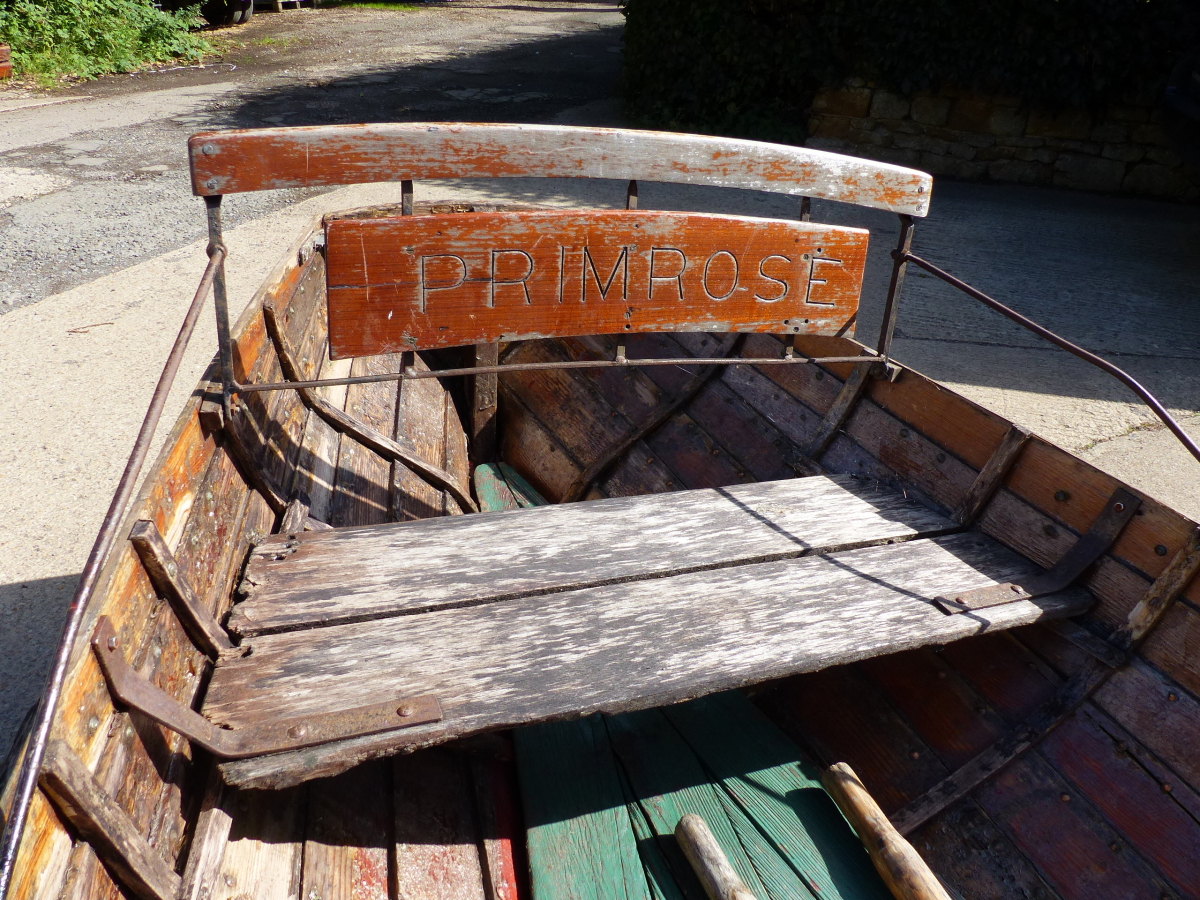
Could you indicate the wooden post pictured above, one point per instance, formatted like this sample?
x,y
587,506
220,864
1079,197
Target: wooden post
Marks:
x,y
484,406
712,867
898,863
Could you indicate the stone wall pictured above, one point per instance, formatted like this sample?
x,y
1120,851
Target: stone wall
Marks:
x,y
964,135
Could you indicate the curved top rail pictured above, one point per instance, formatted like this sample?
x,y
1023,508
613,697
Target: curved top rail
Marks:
x,y
228,162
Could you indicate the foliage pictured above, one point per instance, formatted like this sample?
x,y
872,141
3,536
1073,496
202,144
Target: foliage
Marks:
x,y
745,66
86,38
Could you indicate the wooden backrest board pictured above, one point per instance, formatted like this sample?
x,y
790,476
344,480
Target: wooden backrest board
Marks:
x,y
228,162
420,282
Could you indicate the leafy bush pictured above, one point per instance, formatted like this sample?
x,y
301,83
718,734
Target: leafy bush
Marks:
x,y
745,66
87,38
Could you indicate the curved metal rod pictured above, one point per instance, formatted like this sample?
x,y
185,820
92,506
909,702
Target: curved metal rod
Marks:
x,y
35,751
1087,356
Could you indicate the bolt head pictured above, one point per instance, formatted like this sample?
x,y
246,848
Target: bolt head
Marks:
x,y
211,184
112,643
208,149
1118,507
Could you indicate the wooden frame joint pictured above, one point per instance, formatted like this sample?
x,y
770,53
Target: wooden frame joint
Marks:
x,y
991,476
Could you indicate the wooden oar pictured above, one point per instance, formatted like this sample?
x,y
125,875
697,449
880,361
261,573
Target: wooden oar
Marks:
x,y
712,867
898,863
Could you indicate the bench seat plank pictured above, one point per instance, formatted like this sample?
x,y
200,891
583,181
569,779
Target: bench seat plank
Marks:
x,y
358,574
623,646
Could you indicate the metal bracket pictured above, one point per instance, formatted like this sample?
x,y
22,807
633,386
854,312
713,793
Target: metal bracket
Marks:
x,y
1117,512
263,738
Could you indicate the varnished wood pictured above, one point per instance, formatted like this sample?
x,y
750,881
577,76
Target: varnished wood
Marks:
x,y
274,158
419,282
106,826
346,576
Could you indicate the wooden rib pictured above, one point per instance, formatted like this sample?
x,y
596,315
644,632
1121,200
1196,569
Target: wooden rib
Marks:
x,y
273,158
843,406
105,825
1085,681
348,425
1087,642
649,423
484,406
170,582
991,476
212,416
296,516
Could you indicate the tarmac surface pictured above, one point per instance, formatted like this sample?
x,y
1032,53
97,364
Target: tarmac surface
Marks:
x,y
101,247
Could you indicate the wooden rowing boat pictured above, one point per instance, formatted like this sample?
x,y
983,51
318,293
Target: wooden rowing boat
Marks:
x,y
496,545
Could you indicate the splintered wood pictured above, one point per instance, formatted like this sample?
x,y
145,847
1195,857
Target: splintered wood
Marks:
x,y
418,282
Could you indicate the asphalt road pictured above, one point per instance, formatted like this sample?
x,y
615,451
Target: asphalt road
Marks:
x,y
101,245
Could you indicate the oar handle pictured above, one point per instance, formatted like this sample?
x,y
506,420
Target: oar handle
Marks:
x,y
898,863
718,877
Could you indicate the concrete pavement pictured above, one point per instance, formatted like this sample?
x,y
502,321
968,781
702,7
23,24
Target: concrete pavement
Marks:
x,y
94,233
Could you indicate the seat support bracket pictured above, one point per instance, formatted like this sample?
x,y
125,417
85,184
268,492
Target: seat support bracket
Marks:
x,y
131,689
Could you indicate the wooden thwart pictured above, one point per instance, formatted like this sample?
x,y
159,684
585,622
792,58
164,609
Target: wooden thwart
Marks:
x,y
303,580
417,282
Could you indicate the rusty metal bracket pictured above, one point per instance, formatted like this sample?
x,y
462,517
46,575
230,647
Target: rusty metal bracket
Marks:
x,y
261,739
1117,512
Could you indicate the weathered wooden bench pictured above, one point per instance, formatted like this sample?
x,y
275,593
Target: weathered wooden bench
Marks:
x,y
359,642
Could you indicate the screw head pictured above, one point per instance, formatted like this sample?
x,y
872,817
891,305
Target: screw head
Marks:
x,y
1160,550
211,184
405,710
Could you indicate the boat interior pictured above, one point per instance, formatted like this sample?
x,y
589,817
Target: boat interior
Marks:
x,y
485,618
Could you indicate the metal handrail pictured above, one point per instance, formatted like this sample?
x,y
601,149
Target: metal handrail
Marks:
x,y
36,748
1074,349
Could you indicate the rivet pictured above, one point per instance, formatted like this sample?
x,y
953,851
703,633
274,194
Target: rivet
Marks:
x,y
942,674
1160,550
941,457
1118,507
1061,496
914,754
1050,531
903,432
208,149
297,731
405,711
112,643
1172,697
1114,846
1166,788
211,184
820,375
93,723
1065,798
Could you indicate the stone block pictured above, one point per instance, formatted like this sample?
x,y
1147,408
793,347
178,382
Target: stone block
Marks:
x,y
962,150
1110,133
1164,156
1127,113
1088,147
907,126
952,167
945,134
1088,173
829,126
866,123
930,110
990,153
1035,154
1158,181
877,138
922,142
855,82
885,105
978,140
1019,171
849,101
1149,133
970,114
1069,124
1025,141
1126,153
897,155
1006,121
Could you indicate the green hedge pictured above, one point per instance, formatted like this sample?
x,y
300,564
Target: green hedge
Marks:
x,y
751,66
86,38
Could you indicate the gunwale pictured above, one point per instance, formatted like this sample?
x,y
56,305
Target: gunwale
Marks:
x,y
938,422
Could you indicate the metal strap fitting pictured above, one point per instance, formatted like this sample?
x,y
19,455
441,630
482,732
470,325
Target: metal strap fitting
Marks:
x,y
1117,512
260,739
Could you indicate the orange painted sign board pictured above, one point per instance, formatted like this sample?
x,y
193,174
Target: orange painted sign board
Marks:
x,y
419,282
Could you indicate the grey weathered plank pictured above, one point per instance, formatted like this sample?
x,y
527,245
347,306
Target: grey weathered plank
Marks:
x,y
616,647
366,573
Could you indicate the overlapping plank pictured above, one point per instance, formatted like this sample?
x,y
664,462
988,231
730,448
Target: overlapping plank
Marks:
x,y
621,646
358,574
